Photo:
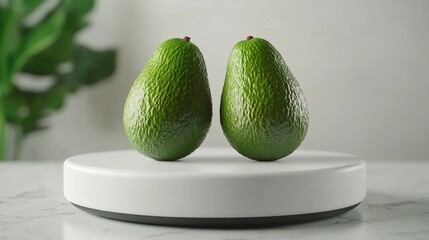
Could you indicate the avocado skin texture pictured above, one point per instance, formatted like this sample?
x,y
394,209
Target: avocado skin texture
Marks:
x,y
168,111
263,111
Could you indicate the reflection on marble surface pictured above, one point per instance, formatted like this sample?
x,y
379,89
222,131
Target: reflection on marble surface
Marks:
x,y
32,207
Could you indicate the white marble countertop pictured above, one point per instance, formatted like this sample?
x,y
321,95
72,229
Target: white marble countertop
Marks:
x,y
32,206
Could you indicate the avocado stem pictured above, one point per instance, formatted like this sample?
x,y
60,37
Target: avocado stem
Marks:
x,y
186,39
249,37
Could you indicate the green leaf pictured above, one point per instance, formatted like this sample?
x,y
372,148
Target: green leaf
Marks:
x,y
28,109
89,67
39,38
8,21
47,61
80,7
76,11
31,5
17,7
40,49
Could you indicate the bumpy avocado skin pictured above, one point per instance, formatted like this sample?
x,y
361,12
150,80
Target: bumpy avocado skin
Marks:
x,y
263,111
168,111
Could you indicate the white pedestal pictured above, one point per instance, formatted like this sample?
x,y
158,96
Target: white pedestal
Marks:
x,y
215,187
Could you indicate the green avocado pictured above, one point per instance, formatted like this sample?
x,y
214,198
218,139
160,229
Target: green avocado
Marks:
x,y
168,111
263,111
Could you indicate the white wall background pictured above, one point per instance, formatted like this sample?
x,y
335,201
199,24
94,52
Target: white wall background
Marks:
x,y
363,66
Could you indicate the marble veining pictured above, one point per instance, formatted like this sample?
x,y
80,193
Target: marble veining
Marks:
x,y
32,206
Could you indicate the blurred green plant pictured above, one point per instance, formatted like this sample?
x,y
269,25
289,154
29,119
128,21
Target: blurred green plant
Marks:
x,y
45,47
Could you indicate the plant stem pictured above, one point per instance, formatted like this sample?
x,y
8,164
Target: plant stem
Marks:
x,y
18,143
3,133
